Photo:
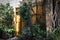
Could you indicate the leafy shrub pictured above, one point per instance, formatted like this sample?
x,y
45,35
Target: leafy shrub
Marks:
x,y
10,31
37,33
24,11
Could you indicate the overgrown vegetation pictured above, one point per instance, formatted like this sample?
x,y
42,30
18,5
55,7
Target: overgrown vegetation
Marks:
x,y
6,14
37,33
55,34
31,31
6,19
24,11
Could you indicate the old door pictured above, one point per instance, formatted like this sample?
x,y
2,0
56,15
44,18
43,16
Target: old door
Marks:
x,y
38,15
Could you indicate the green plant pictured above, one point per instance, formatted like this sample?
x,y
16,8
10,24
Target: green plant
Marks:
x,y
38,34
24,11
6,14
10,31
55,34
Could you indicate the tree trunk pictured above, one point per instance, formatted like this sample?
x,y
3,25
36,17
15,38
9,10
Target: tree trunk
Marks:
x,y
49,17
